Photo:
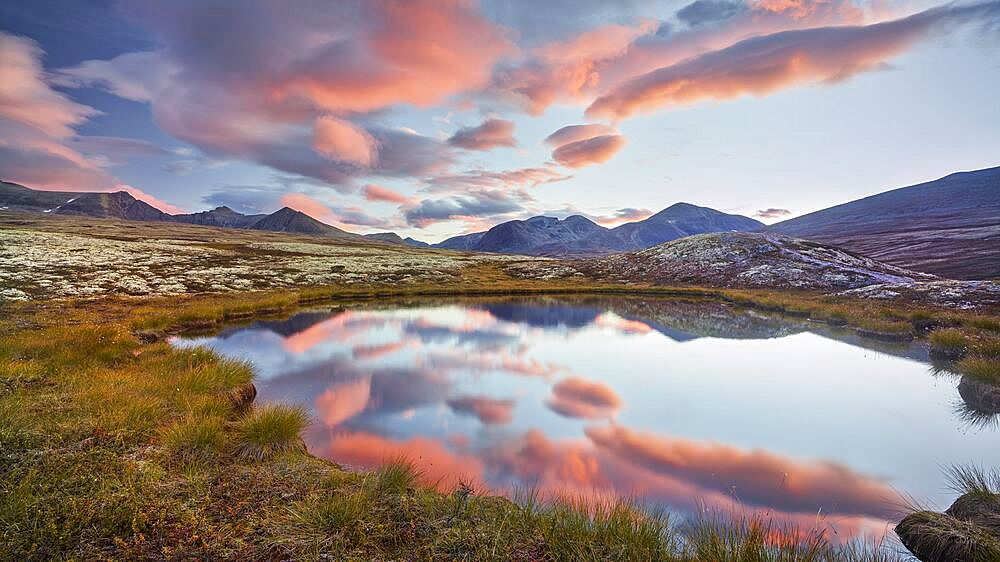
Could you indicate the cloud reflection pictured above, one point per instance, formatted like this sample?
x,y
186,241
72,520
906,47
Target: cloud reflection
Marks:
x,y
579,398
377,404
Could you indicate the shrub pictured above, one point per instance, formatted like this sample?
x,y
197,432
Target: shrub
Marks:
x,y
270,430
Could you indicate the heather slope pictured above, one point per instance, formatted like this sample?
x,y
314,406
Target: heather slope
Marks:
x,y
749,260
949,226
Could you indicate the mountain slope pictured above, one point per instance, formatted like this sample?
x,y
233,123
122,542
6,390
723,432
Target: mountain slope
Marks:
x,y
680,220
748,259
578,236
117,205
387,237
461,242
538,235
220,216
287,219
949,226
121,205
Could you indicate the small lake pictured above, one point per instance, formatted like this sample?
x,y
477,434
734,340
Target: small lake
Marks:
x,y
688,405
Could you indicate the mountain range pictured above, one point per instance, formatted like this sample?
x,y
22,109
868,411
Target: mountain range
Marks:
x,y
948,227
122,205
578,236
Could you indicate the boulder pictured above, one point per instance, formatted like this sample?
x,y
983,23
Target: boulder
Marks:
x,y
980,396
968,531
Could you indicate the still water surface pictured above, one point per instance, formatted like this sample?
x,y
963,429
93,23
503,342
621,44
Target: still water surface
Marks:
x,y
686,405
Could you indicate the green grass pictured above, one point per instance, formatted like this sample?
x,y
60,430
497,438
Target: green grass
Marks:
x,y
114,448
885,326
982,368
973,479
195,439
270,430
948,342
757,539
396,477
988,349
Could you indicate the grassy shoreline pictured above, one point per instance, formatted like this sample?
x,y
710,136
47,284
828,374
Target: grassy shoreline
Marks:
x,y
114,444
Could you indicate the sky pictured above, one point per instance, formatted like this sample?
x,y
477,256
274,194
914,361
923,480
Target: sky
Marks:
x,y
433,118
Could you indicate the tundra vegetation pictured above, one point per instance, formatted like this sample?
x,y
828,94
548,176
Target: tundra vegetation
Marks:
x,y
115,444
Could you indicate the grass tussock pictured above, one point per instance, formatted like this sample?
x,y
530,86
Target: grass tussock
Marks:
x,y
973,479
981,368
948,342
270,430
195,439
758,539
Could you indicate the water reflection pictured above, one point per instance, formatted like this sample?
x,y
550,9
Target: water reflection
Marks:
x,y
687,404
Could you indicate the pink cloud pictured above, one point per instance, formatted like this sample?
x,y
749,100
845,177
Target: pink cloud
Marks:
x,y
622,325
341,140
574,133
341,217
151,200
374,192
489,134
801,9
585,152
416,52
376,351
758,477
764,64
490,411
341,402
580,398
437,464
26,96
567,70
269,82
624,215
308,205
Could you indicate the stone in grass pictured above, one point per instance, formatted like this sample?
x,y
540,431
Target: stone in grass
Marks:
x,y
980,396
242,397
148,336
968,531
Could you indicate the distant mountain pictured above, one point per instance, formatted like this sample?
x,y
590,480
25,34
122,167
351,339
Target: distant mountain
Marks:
x,y
461,242
949,226
538,235
415,243
388,237
393,238
287,219
118,205
680,220
220,216
122,205
579,236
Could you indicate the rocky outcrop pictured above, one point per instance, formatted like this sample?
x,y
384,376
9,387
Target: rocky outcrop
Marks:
x,y
979,396
743,259
945,292
968,531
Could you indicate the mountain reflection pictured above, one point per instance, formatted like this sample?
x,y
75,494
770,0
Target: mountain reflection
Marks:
x,y
689,405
